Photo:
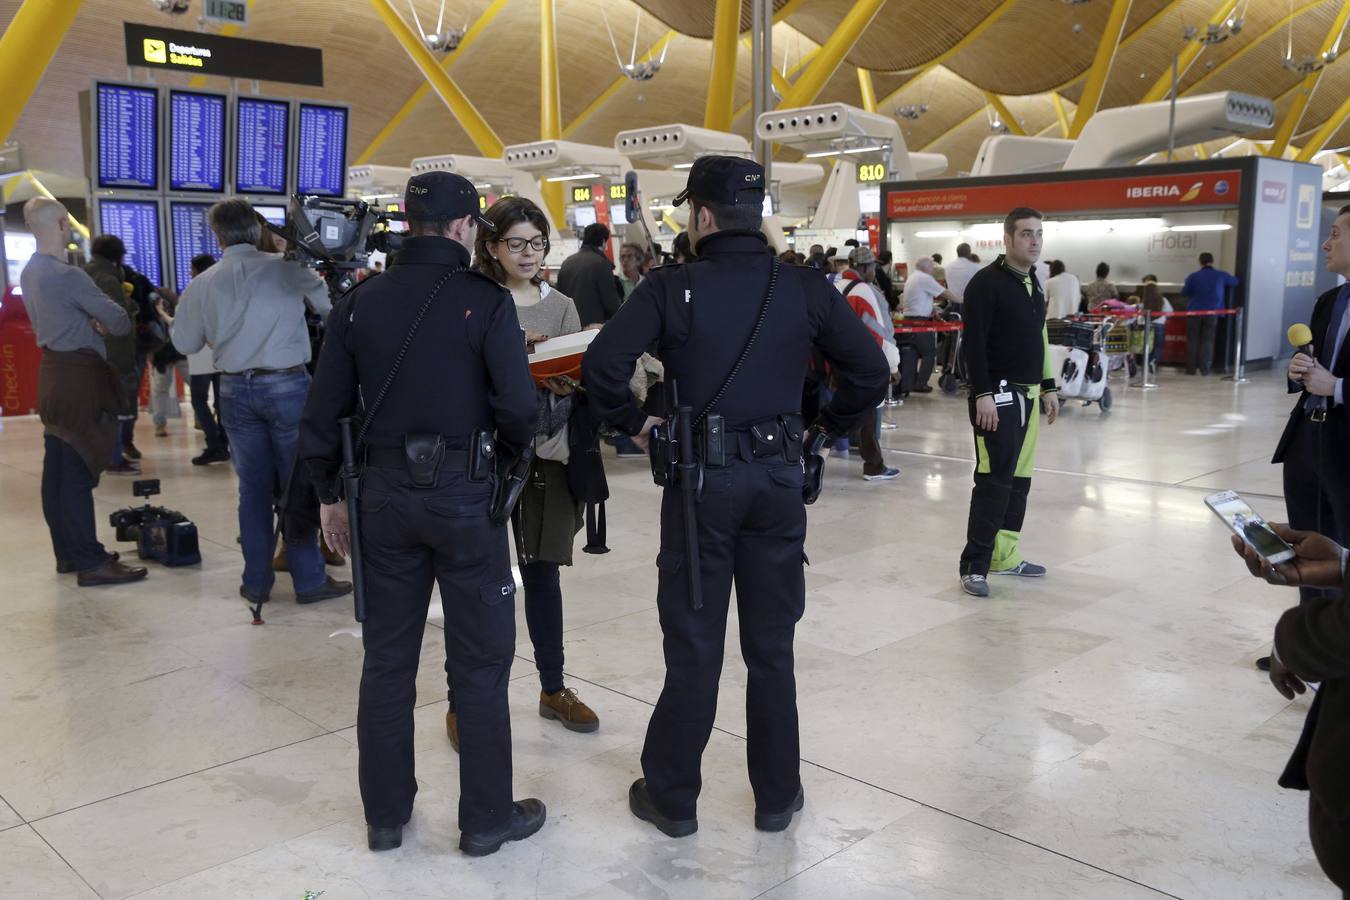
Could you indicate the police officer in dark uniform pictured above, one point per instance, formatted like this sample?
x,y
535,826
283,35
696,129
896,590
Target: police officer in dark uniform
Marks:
x,y
735,330
459,385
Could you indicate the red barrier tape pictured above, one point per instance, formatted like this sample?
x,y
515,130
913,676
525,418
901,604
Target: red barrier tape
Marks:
x,y
929,329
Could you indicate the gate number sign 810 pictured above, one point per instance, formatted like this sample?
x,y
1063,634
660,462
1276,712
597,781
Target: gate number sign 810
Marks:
x,y
869,172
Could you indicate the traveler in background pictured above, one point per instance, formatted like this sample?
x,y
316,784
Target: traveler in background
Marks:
x,y
549,515
1312,645
631,261
165,362
1157,303
1063,292
1204,289
203,378
857,284
77,394
960,271
250,308
838,266
106,253
587,276
921,293
938,271
884,282
1094,292
680,249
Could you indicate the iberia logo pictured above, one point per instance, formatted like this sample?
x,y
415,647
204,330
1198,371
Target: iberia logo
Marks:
x,y
1164,191
1192,193
155,51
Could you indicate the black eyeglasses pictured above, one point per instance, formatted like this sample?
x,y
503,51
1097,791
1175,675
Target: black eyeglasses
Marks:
x,y
515,245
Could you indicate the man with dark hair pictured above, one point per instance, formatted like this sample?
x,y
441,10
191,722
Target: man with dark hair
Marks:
x,y
1205,289
250,308
426,511
1008,359
680,249
105,267
751,520
587,276
76,392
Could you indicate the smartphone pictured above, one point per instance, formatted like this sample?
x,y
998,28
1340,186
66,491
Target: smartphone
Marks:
x,y
1247,524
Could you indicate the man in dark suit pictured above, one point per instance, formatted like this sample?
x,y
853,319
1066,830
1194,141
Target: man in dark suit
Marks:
x,y
1312,643
1315,443
587,276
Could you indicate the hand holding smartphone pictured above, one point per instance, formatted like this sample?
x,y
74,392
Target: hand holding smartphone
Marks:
x,y
1248,525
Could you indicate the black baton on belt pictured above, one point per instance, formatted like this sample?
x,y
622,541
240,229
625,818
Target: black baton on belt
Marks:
x,y
687,464
351,484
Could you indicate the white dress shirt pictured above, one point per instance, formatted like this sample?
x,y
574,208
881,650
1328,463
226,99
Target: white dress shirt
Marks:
x,y
959,273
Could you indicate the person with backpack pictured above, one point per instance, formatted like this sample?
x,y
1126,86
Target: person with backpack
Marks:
x,y
857,284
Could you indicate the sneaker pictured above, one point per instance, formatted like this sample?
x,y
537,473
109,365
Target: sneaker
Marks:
x,y
1024,569
886,475
125,467
161,430
975,585
206,457
130,451
567,708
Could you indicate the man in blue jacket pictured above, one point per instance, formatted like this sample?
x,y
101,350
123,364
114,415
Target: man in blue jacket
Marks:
x,y
1206,288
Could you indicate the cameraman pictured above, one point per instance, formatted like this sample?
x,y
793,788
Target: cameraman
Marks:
x,y
250,308
1312,643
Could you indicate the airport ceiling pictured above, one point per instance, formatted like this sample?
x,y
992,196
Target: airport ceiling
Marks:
x,y
948,54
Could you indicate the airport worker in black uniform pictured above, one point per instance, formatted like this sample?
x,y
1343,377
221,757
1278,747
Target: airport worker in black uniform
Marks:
x,y
462,385
735,329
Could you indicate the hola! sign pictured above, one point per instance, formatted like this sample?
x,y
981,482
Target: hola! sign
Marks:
x,y
1196,189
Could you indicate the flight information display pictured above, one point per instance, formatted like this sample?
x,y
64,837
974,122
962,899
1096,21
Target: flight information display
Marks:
x,y
196,142
260,161
136,222
128,136
191,236
321,154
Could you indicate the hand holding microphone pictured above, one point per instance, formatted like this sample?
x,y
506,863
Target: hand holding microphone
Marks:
x,y
1304,367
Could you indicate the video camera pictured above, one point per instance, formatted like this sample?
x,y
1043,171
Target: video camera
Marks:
x,y
336,236
164,535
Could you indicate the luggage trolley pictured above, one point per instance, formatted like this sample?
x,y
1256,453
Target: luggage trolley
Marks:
x,y
1079,359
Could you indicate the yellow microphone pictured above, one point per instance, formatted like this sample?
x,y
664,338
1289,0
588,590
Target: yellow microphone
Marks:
x,y
1300,336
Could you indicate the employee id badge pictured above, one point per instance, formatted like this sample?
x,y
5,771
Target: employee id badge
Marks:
x,y
1003,396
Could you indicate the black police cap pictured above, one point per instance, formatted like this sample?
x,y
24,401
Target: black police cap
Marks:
x,y
442,195
728,180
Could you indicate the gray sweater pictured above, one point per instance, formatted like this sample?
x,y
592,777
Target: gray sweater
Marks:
x,y
554,315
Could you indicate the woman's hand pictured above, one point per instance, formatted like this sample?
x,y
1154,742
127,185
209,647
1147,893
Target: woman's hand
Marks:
x,y
561,386
531,338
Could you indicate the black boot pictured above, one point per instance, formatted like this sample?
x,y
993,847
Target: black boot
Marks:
x,y
527,817
640,802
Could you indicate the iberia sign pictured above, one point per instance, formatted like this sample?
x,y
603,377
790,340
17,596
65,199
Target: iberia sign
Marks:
x,y
1196,189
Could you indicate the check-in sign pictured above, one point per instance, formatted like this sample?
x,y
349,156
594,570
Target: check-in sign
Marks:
x,y
234,12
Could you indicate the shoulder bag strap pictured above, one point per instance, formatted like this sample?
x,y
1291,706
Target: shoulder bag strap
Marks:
x,y
375,404
749,344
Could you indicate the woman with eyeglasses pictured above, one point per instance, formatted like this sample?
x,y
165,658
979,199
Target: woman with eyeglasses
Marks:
x,y
549,515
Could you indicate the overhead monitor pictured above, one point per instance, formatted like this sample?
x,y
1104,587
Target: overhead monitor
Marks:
x,y
126,136
190,236
585,215
136,222
261,145
273,214
321,150
195,139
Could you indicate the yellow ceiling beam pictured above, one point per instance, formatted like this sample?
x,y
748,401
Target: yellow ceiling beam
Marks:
x,y
26,49
1163,86
1060,114
1294,114
230,29
867,90
479,25
550,105
781,82
1101,66
721,97
1005,115
1260,39
1325,132
809,84
482,135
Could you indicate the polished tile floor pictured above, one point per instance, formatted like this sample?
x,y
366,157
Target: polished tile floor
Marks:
x,y
1097,733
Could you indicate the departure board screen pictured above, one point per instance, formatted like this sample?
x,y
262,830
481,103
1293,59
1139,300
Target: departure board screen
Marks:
x,y
274,214
136,222
260,161
196,142
128,136
191,236
321,154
